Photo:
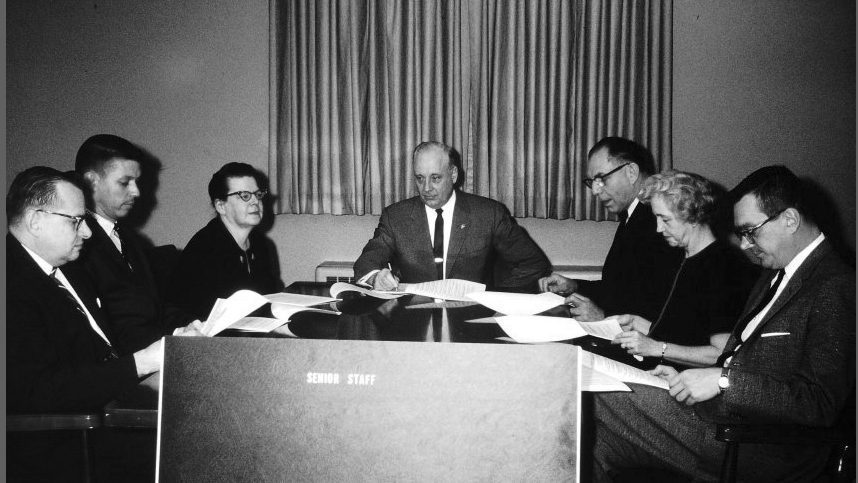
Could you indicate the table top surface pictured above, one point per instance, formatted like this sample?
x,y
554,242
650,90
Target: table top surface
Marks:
x,y
408,318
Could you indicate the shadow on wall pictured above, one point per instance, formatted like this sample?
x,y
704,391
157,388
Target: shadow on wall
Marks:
x,y
829,220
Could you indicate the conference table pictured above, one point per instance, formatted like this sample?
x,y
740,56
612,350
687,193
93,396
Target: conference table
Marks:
x,y
408,318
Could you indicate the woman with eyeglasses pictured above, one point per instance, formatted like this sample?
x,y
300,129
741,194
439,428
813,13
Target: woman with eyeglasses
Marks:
x,y
228,254
710,288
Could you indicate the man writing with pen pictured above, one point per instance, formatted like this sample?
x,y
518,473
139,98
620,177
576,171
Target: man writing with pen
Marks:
x,y
446,233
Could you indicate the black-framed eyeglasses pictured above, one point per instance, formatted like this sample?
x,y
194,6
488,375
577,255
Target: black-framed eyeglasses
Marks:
x,y
78,220
599,179
246,195
750,234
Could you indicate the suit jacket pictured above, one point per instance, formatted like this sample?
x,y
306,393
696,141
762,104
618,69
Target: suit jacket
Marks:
x,y
129,297
54,359
638,270
213,266
483,233
798,366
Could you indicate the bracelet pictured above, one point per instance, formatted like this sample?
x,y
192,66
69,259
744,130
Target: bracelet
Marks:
x,y
663,350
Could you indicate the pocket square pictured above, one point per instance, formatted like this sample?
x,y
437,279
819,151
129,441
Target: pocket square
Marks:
x,y
98,302
774,334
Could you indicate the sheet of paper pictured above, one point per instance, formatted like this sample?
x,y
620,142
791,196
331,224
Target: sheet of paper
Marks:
x,y
340,287
284,312
623,372
298,299
447,289
484,320
256,324
226,312
539,328
444,304
518,303
603,329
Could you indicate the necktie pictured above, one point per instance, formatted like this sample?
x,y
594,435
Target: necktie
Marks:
x,y
438,244
118,240
110,353
743,323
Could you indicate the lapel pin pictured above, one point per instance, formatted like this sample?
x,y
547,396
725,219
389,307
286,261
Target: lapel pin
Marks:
x,y
462,226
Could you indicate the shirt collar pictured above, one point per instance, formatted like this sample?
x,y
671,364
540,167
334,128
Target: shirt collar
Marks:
x,y
448,207
104,223
631,208
45,266
797,260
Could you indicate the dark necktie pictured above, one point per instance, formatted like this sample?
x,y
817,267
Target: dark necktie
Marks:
x,y
438,244
124,247
743,323
110,353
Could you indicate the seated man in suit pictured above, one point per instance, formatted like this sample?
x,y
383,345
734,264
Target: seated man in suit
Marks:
x,y
640,266
60,353
446,233
115,257
789,360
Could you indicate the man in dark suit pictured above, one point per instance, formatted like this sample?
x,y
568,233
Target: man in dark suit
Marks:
x,y
115,257
446,233
640,266
789,360
60,353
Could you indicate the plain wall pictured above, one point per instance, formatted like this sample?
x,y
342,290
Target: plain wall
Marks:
x,y
755,83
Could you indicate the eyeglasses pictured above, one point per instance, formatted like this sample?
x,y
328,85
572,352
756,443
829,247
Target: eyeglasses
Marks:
x,y
77,219
246,195
750,234
599,179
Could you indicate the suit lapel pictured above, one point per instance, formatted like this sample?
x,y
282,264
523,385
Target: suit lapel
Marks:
x,y
458,230
101,242
793,286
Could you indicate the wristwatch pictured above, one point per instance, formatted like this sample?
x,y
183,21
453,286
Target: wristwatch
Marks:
x,y
724,380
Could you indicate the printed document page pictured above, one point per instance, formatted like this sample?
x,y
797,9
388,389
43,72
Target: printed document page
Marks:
x,y
623,372
227,311
518,303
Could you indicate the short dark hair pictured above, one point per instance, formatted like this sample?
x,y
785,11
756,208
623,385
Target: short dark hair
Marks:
x,y
35,187
219,184
100,149
776,189
626,150
453,156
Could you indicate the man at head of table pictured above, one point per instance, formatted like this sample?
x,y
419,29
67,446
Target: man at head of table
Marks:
x,y
444,233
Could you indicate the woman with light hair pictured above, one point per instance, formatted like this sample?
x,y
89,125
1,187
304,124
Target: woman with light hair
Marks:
x,y
710,287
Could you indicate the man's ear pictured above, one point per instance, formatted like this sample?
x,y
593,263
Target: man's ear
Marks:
x,y
792,219
454,173
32,221
91,177
633,172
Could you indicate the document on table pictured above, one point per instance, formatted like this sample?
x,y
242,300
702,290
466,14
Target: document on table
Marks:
x,y
620,371
539,328
518,303
226,312
447,289
603,329
298,299
284,312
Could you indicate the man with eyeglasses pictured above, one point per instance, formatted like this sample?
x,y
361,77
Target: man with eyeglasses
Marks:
x,y
640,265
61,351
789,361
116,258
228,254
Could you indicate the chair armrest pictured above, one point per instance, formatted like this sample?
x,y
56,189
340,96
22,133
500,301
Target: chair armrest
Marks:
x,y
51,422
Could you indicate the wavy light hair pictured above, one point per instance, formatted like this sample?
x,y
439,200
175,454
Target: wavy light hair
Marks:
x,y
689,196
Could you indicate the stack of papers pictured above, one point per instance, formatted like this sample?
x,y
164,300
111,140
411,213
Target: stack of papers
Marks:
x,y
231,313
447,289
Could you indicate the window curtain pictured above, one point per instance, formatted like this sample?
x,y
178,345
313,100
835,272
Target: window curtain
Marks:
x,y
520,89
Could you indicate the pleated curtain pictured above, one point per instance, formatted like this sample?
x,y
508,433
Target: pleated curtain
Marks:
x,y
521,89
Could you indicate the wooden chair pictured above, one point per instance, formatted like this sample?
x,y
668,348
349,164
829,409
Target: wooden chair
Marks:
x,y
841,465
84,423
